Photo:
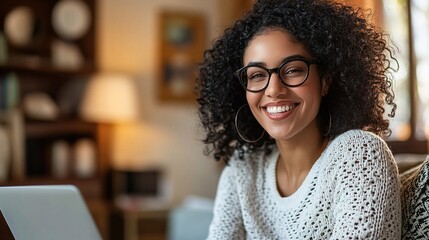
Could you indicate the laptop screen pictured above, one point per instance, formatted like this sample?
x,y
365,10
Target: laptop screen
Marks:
x,y
46,213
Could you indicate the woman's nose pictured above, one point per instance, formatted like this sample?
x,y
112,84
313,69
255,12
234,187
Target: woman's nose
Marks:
x,y
275,86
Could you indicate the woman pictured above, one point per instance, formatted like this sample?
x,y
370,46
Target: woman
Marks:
x,y
293,97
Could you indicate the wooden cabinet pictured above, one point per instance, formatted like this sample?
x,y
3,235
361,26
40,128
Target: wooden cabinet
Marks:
x,y
47,48
149,224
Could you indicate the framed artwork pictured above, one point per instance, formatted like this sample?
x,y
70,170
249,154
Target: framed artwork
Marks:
x,y
182,43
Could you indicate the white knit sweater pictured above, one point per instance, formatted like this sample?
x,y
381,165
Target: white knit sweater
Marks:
x,y
351,192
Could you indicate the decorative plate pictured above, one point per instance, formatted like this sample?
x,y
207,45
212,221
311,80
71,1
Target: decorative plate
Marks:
x,y
71,19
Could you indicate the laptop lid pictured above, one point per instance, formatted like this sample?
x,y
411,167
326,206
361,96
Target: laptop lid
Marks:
x,y
47,213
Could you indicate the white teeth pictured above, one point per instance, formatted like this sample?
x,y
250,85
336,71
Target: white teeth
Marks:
x,y
280,109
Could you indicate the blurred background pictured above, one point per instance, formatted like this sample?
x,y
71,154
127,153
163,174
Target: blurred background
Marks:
x,y
99,94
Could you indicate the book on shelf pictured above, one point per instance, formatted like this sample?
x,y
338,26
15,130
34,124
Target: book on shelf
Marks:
x,y
11,120
13,144
9,91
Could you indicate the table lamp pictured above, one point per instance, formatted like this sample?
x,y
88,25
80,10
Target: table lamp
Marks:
x,y
110,99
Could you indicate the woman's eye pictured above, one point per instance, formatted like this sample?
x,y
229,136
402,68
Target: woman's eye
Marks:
x,y
257,76
291,72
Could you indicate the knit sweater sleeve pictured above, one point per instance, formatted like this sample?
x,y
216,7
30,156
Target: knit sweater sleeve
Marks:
x,y
227,220
367,190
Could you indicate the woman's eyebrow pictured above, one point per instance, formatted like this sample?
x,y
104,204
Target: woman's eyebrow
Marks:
x,y
256,64
288,58
293,57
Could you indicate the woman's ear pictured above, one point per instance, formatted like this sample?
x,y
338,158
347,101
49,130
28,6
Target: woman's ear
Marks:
x,y
326,83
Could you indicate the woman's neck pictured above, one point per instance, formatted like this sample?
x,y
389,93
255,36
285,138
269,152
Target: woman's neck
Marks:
x,y
296,158
301,152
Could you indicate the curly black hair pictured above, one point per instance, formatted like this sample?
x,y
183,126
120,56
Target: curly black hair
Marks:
x,y
350,51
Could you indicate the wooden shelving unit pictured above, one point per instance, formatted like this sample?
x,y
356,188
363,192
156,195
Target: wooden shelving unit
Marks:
x,y
35,70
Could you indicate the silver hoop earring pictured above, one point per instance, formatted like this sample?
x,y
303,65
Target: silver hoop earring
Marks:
x,y
325,134
326,108
238,131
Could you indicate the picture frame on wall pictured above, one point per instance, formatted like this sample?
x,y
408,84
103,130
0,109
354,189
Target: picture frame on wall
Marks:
x,y
182,43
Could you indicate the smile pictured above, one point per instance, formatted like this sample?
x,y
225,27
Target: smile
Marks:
x,y
280,109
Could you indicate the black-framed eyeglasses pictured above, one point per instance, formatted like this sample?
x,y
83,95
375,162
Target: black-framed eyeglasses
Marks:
x,y
292,73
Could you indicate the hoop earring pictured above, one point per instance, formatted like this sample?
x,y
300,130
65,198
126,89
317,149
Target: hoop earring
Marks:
x,y
238,131
325,134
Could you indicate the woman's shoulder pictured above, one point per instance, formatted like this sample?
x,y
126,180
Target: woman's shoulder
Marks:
x,y
360,138
360,149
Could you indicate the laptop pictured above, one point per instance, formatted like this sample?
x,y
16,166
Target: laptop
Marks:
x,y
56,212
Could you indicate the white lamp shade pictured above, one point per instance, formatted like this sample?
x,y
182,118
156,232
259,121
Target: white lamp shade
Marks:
x,y
110,98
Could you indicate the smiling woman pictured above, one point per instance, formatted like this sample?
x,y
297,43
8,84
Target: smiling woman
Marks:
x,y
307,161
304,89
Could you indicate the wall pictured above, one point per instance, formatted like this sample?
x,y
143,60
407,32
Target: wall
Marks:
x,y
166,135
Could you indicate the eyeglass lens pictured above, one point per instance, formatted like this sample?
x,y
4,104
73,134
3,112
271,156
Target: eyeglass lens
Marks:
x,y
291,73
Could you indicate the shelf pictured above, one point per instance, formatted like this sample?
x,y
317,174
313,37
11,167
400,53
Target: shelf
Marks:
x,y
31,65
61,127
